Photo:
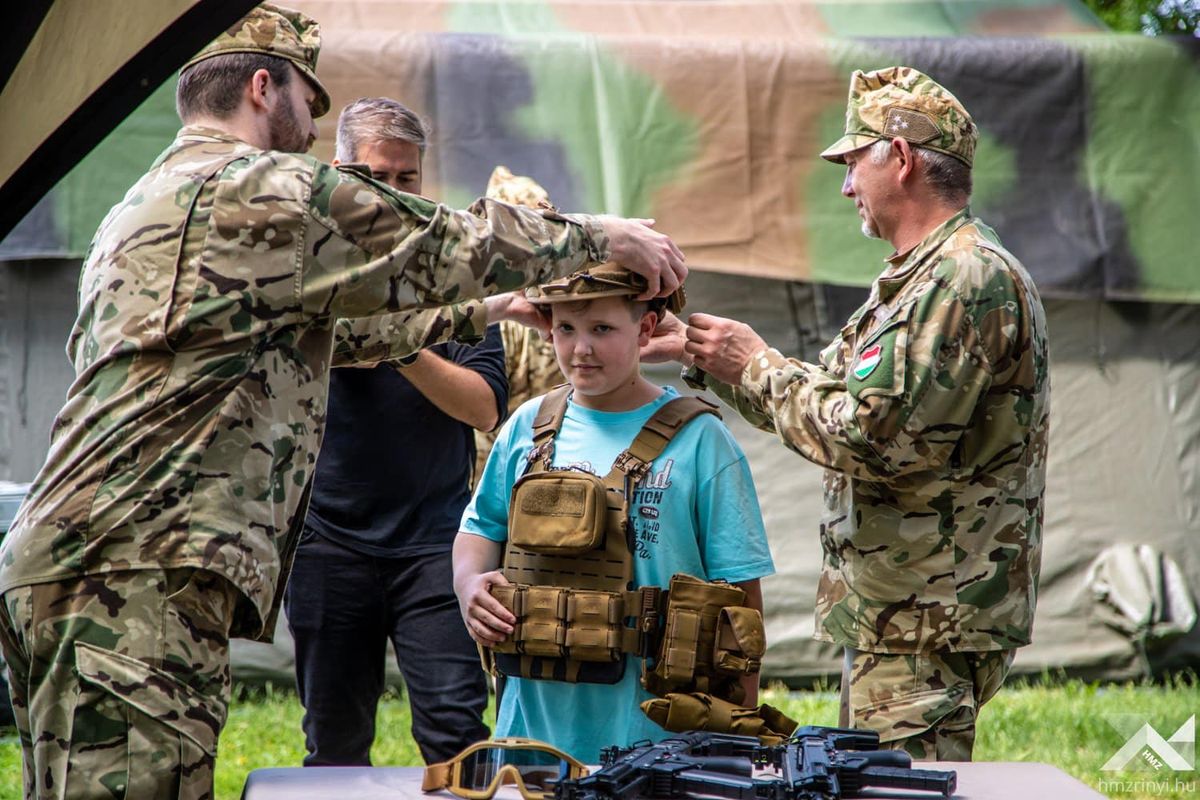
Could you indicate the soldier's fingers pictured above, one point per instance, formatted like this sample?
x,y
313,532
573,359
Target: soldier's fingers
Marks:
x,y
489,608
653,283
670,280
677,252
703,321
695,334
493,607
649,222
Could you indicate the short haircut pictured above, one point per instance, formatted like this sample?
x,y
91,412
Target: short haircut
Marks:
x,y
377,119
213,87
949,177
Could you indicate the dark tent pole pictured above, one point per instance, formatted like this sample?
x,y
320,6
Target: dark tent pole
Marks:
x,y
116,99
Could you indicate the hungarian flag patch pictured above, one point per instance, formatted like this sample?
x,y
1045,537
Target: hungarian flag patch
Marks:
x,y
868,361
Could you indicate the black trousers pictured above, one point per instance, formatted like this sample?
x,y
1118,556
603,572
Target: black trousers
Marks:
x,y
342,608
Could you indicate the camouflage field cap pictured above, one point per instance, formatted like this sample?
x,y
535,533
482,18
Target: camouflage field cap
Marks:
x,y
279,32
900,102
592,283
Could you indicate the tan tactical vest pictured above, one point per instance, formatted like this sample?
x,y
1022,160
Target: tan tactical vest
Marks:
x,y
569,563
569,559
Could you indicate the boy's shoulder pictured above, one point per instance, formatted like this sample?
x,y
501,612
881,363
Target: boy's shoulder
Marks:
x,y
709,429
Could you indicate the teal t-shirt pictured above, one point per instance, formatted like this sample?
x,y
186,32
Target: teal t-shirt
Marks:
x,y
695,512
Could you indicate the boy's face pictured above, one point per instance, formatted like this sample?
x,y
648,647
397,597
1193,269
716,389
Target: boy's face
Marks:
x,y
597,344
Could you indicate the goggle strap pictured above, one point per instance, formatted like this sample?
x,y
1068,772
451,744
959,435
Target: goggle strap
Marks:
x,y
437,776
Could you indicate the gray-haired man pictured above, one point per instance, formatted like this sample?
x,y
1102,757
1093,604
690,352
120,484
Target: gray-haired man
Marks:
x,y
391,483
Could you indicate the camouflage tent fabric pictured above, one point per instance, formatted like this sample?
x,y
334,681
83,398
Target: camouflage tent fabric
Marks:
x,y
708,117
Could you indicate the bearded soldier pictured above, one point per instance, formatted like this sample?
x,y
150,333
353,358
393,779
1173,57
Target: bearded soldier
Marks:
x,y
165,518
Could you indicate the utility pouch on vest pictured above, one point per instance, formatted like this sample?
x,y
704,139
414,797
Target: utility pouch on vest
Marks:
x,y
560,513
739,643
563,634
710,639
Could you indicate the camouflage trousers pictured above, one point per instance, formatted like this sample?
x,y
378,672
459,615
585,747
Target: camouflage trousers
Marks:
x,y
119,682
924,704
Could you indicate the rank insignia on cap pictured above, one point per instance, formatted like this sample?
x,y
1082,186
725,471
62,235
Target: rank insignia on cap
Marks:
x,y
916,127
868,361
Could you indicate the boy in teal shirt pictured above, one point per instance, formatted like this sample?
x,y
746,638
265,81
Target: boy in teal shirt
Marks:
x,y
695,512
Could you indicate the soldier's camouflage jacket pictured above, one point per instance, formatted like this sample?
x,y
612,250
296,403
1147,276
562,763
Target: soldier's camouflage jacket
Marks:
x,y
209,303
930,412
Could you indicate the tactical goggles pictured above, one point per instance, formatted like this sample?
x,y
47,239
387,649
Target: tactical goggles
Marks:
x,y
477,772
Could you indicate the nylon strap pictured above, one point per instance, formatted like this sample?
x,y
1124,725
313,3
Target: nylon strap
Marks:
x,y
648,445
655,435
550,413
437,776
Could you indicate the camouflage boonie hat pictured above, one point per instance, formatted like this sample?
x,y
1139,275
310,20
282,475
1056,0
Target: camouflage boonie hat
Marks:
x,y
900,102
593,283
279,32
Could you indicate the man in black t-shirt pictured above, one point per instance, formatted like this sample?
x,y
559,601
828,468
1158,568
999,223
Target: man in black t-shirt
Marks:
x,y
392,481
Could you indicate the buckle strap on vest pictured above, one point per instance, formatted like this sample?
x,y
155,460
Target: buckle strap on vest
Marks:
x,y
547,423
634,462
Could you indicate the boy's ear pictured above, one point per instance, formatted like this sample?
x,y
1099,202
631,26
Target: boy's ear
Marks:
x,y
646,327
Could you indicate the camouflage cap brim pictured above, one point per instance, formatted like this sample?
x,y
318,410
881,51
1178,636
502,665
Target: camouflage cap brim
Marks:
x,y
837,151
321,103
541,298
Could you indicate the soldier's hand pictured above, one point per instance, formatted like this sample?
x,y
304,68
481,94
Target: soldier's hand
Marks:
x,y
666,344
487,620
721,347
635,245
514,306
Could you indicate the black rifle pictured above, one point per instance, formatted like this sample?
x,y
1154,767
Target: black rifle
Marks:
x,y
814,764
819,762
713,764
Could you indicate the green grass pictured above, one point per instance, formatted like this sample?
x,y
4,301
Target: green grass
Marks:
x,y
1057,722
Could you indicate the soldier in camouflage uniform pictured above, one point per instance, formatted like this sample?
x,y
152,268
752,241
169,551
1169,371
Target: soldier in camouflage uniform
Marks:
x,y
164,520
929,412
529,359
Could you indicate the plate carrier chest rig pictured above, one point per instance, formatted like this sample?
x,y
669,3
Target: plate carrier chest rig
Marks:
x,y
569,563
